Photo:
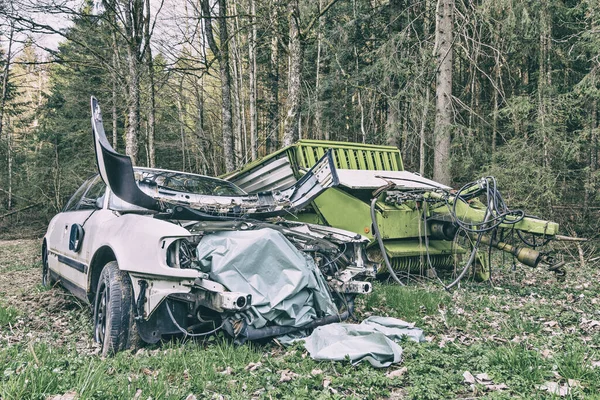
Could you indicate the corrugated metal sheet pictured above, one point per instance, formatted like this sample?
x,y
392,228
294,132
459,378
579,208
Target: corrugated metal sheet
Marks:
x,y
273,174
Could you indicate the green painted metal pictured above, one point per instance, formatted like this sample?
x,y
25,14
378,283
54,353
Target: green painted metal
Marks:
x,y
474,212
402,227
409,248
349,155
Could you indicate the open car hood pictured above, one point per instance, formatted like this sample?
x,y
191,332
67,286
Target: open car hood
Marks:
x,y
116,171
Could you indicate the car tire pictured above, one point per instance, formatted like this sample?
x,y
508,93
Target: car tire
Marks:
x,y
114,325
47,280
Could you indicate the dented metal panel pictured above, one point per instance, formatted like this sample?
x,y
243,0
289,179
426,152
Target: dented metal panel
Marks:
x,y
274,174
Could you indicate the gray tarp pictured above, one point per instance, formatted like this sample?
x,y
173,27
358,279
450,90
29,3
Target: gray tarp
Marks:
x,y
372,340
286,286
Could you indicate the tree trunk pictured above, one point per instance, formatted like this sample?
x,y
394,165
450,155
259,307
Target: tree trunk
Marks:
x,y
290,130
544,80
133,106
237,102
10,165
181,122
222,55
422,135
5,75
318,111
114,113
252,39
443,92
272,138
152,112
497,75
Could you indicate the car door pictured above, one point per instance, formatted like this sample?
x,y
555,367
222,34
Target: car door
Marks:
x,y
68,244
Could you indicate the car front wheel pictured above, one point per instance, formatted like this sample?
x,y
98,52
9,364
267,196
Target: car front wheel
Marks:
x,y
113,310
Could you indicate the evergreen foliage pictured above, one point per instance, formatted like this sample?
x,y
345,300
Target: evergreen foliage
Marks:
x,y
526,90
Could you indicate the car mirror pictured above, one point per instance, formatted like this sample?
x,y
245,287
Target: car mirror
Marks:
x,y
87,203
76,237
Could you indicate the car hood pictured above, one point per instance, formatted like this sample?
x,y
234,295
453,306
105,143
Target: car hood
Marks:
x,y
116,171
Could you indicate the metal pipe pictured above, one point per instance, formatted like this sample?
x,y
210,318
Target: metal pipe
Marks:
x,y
248,332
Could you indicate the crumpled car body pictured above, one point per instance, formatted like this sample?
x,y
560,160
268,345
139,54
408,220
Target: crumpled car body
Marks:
x,y
158,253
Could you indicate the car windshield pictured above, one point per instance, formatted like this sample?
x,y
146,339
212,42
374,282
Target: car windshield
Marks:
x,y
186,183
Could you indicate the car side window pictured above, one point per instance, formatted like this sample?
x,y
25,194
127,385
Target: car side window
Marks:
x,y
85,197
96,190
74,200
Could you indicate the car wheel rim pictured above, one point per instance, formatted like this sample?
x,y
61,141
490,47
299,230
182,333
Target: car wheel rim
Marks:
x,y
101,315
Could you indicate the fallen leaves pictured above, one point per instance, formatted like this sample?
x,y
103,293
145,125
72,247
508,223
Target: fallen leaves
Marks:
x,y
397,373
287,375
253,366
589,324
558,389
483,379
66,396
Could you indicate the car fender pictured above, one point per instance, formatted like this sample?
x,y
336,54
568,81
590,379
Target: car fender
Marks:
x,y
139,244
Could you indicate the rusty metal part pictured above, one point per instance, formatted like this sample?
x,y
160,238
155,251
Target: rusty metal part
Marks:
x,y
525,255
563,238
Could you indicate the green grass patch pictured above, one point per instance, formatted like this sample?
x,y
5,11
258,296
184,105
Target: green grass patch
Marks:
x,y
175,370
409,303
8,315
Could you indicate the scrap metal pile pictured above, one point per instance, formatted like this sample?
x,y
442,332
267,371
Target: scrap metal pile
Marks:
x,y
416,226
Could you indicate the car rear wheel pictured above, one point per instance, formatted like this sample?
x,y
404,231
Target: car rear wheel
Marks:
x,y
47,281
113,311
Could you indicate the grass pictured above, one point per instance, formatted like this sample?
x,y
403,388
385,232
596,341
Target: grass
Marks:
x,y
8,315
525,330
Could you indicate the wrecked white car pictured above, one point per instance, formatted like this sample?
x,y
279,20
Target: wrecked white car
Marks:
x,y
158,253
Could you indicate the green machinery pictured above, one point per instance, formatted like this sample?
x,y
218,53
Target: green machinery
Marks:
x,y
415,224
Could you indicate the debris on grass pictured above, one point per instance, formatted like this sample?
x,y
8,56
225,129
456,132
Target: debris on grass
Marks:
x,y
397,373
558,389
253,366
66,396
287,375
483,379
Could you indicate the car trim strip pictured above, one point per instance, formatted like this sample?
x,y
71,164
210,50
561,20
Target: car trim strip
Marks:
x,y
72,263
72,287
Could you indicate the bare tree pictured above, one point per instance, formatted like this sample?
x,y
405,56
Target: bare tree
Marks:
x,y
252,36
221,52
443,110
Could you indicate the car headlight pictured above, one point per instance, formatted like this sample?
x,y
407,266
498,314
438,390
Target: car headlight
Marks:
x,y
182,254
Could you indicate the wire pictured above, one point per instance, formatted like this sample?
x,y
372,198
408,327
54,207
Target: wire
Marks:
x,y
186,333
495,206
381,246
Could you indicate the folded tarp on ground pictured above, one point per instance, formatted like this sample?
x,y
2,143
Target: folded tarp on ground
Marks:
x,y
372,340
286,286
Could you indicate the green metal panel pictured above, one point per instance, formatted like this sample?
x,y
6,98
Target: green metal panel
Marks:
x,y
411,247
350,155
473,213
341,157
393,222
352,159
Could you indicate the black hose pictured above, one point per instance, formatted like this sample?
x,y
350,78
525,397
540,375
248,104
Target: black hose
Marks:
x,y
495,207
380,241
469,263
186,333
251,333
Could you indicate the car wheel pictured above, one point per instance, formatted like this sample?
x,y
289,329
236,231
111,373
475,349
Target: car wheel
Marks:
x,y
113,310
47,281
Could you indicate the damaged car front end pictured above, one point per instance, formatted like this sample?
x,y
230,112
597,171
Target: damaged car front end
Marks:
x,y
255,280
160,253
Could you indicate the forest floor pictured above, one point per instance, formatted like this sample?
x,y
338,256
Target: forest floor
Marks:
x,y
526,336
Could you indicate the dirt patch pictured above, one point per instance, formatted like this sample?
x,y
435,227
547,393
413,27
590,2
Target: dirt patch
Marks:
x,y
44,315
